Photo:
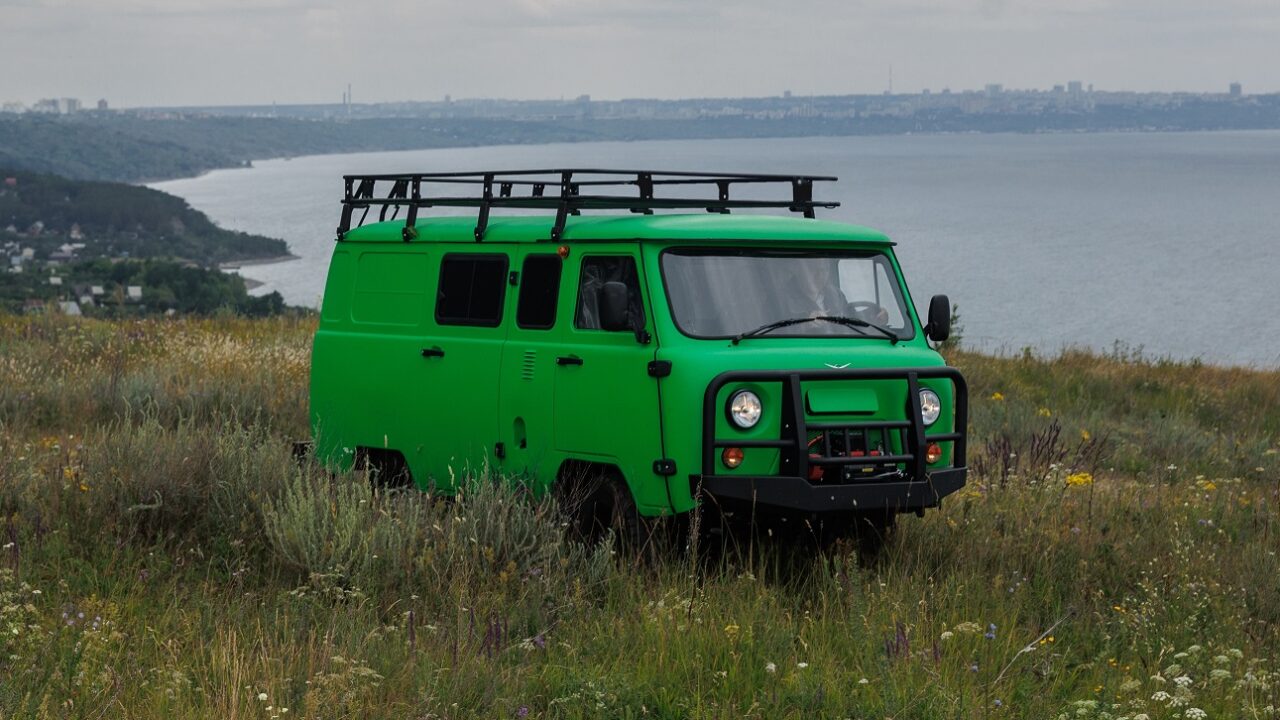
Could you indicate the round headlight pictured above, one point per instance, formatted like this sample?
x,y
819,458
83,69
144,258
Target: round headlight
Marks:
x,y
930,406
744,409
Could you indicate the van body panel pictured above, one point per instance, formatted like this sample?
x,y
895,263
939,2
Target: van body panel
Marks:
x,y
460,398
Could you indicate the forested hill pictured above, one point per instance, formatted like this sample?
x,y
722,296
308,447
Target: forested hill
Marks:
x,y
115,220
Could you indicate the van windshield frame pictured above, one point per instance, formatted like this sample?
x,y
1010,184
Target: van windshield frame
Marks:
x,y
707,303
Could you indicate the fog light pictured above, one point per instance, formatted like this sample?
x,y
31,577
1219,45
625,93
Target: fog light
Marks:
x,y
815,471
933,453
731,457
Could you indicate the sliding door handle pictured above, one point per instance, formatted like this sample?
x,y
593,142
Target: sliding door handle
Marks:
x,y
568,360
431,352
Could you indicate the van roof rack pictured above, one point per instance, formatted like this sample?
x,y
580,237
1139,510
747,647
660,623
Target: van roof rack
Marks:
x,y
571,193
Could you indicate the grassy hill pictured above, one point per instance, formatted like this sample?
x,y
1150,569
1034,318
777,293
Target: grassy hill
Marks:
x,y
119,220
164,556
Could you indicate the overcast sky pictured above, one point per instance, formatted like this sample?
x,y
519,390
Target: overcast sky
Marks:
x,y
220,52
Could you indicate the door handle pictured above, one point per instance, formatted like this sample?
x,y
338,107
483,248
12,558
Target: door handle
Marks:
x,y
431,352
568,360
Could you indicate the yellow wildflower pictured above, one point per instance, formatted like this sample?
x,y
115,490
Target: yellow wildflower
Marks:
x,y
1079,479
731,630
1044,412
1084,435
997,396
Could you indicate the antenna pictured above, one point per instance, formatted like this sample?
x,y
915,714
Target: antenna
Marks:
x,y
890,78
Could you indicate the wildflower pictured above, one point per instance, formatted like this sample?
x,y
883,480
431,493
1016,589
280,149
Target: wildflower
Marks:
x,y
522,711
946,635
262,697
1221,660
1084,435
997,396
731,630
1219,674
998,703
1195,714
1182,681
1161,696
1079,479
1044,412
863,681
770,668
991,632
973,667
802,665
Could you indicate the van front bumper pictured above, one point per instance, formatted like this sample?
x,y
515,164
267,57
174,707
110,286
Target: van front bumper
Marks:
x,y
798,494
903,482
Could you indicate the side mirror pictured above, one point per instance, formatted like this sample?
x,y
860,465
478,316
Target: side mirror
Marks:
x,y
612,302
939,327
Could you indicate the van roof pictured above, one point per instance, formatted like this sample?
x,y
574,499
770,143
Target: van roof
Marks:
x,y
675,227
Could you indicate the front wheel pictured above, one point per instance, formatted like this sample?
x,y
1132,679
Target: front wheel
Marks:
x,y
598,503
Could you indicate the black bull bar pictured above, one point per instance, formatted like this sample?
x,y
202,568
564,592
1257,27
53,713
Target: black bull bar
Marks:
x,y
911,487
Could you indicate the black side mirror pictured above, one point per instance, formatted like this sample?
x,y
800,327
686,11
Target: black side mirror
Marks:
x,y
939,327
612,302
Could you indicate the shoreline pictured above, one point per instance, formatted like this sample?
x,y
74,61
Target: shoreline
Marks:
x,y
272,260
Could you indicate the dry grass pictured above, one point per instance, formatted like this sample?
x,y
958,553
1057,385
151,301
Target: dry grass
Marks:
x,y
163,556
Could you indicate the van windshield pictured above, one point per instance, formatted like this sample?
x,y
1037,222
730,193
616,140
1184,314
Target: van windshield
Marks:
x,y
717,293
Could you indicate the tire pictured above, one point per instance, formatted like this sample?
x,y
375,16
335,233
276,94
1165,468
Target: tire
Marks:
x,y
872,530
599,503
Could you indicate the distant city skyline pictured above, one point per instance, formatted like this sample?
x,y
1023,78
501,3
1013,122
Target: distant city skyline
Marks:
x,y
147,53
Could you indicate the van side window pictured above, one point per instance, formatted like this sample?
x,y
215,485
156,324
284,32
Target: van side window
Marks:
x,y
471,289
596,271
539,292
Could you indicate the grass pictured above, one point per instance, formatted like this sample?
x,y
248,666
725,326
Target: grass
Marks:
x,y
163,556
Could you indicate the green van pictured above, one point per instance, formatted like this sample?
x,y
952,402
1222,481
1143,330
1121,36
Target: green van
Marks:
x,y
647,362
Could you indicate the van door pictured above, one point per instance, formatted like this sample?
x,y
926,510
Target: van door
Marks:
x,y
527,390
606,403
461,359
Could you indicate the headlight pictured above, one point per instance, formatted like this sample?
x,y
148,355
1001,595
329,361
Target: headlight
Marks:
x,y
930,406
744,409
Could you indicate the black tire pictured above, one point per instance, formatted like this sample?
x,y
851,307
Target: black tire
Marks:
x,y
598,503
872,530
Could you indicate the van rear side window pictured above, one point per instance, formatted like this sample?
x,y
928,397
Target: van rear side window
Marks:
x,y
539,292
472,289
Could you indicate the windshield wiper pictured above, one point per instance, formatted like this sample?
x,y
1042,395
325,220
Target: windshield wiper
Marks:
x,y
859,323
837,319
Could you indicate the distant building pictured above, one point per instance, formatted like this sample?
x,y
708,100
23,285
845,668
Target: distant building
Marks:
x,y
993,89
97,290
1235,89
13,107
134,292
1075,87
70,308
55,281
45,105
102,105
69,106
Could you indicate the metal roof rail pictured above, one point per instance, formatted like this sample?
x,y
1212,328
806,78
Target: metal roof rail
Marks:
x,y
579,189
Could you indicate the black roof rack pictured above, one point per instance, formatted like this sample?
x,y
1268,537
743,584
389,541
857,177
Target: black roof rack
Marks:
x,y
573,190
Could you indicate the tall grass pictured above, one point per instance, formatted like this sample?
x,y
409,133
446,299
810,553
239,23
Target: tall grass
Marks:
x,y
163,555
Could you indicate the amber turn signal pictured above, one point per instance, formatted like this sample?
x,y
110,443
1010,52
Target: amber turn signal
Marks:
x,y
731,457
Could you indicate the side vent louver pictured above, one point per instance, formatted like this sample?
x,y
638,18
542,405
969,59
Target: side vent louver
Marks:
x,y
527,366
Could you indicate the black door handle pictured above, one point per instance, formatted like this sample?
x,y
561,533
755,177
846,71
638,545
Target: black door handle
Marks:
x,y
432,352
568,360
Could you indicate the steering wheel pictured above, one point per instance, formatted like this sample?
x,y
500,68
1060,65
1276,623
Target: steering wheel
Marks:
x,y
867,310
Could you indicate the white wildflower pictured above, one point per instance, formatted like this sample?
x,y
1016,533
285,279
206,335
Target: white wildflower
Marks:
x,y
770,668
1195,714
